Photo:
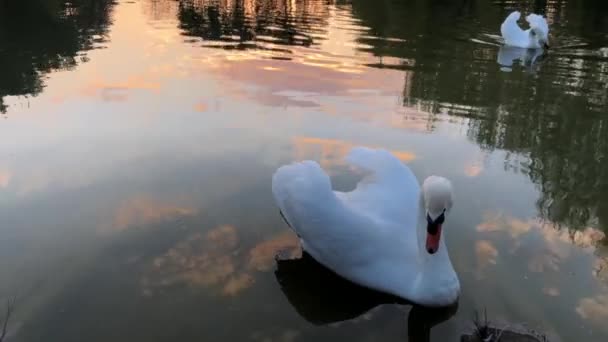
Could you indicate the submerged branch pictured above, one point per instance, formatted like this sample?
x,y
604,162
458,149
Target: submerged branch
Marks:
x,y
9,311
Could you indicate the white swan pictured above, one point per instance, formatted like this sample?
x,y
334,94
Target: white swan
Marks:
x,y
369,235
536,37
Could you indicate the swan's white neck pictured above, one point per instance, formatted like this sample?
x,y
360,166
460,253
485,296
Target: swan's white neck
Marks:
x,y
435,266
437,283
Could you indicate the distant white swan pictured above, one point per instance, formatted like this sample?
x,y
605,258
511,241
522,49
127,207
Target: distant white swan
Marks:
x,y
370,235
536,37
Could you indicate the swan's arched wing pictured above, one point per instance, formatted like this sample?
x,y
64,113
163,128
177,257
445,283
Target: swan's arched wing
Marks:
x,y
302,190
511,32
510,24
539,22
326,227
389,190
513,17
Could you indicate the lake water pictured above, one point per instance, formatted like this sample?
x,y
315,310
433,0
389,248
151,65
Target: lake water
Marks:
x,y
139,139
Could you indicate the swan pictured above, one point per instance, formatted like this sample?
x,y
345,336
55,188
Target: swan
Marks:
x,y
536,37
369,235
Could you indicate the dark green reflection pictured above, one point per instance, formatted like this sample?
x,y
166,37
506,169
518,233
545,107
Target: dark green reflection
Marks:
x,y
552,111
39,36
236,27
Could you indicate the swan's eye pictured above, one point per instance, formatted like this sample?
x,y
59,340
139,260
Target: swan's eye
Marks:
x,y
438,220
533,33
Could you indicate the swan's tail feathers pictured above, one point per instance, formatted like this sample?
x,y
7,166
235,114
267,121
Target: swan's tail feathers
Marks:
x,y
298,186
539,22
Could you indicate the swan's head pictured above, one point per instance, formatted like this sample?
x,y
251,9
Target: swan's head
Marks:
x,y
539,36
437,193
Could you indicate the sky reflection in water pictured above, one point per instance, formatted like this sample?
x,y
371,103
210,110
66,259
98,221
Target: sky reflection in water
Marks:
x,y
139,139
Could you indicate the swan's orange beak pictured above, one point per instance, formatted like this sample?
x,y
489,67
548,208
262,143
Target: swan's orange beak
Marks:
x,y
433,235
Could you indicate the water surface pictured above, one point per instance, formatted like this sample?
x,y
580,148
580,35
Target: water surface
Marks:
x,y
139,139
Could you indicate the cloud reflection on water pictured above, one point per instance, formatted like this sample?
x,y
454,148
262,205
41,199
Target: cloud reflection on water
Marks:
x,y
331,152
144,210
216,261
594,309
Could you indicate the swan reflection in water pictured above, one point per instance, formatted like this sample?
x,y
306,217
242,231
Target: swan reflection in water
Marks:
x,y
528,58
322,297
